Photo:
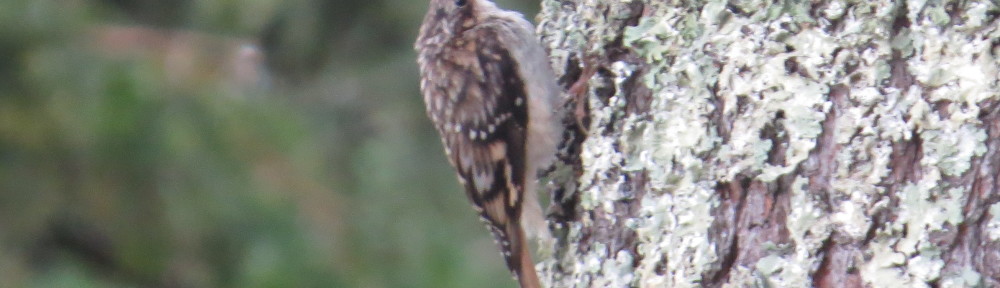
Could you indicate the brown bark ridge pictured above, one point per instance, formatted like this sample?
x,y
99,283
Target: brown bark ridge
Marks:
x,y
748,143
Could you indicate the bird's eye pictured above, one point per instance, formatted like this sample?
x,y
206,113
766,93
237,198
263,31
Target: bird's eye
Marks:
x,y
460,3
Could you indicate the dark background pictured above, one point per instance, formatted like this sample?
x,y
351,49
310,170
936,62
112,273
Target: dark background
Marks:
x,y
239,143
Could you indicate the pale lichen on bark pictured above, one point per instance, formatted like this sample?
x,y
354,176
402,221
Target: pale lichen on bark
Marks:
x,y
862,132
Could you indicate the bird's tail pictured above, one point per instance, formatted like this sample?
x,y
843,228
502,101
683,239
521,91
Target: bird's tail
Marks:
x,y
521,263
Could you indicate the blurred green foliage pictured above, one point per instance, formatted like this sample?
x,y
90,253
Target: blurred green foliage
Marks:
x,y
225,143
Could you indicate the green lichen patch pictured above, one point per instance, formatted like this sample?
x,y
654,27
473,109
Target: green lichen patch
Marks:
x,y
772,92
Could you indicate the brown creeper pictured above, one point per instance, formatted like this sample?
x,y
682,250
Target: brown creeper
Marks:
x,y
492,96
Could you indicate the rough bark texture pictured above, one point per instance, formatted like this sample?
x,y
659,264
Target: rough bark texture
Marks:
x,y
787,144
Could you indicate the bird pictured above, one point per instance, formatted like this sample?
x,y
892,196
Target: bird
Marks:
x,y
492,96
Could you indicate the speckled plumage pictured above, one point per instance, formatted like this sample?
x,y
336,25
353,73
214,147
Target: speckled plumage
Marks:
x,y
492,96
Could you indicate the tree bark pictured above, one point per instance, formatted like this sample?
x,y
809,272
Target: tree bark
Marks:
x,y
789,144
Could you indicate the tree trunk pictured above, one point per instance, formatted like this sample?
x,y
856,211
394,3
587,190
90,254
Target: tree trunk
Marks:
x,y
792,144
